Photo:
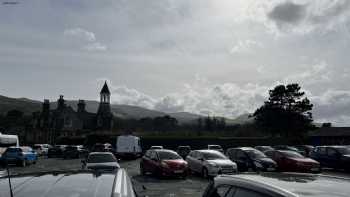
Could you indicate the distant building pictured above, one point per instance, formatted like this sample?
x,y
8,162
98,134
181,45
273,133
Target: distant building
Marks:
x,y
64,121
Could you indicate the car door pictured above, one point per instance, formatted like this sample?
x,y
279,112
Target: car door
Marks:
x,y
332,158
146,161
154,162
191,160
242,160
198,162
321,156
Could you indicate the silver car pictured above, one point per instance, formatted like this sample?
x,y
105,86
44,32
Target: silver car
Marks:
x,y
101,160
210,163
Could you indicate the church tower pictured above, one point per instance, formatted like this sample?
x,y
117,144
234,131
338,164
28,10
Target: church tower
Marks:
x,y
104,114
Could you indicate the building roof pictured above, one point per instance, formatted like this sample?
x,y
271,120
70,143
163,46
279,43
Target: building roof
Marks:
x,y
330,131
105,89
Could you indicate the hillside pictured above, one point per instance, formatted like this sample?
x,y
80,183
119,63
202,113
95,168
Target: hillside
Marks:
x,y
123,111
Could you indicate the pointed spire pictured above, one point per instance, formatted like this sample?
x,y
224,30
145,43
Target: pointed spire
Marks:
x,y
105,89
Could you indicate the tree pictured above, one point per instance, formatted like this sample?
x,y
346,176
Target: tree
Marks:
x,y
286,113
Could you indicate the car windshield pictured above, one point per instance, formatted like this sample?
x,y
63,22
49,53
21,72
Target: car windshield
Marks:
x,y
292,154
212,156
165,155
344,150
101,158
255,154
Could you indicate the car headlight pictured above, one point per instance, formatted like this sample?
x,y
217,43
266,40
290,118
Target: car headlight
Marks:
x,y
164,165
258,164
213,165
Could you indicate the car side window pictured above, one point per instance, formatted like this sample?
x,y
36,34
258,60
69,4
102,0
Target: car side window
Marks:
x,y
332,152
269,154
322,150
241,155
154,155
240,192
220,191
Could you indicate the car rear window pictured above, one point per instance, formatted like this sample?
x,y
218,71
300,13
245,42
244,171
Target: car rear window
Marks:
x,y
101,158
168,155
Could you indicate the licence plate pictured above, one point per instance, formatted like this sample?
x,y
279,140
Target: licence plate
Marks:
x,y
270,169
315,169
178,171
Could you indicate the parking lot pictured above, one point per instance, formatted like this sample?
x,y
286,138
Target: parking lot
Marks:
x,y
144,185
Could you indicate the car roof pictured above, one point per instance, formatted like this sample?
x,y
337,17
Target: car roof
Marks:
x,y
163,150
207,151
71,183
100,153
290,184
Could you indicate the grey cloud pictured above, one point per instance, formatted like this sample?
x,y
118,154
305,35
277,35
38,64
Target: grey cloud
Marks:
x,y
288,13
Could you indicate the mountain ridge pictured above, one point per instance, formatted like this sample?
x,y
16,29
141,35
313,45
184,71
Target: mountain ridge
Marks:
x,y
28,106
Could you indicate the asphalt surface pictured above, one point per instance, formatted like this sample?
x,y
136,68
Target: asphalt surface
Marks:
x,y
144,185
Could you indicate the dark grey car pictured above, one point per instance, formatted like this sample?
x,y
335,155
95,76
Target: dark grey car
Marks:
x,y
277,185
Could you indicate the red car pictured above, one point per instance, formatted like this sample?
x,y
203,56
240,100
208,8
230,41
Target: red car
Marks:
x,y
293,162
163,162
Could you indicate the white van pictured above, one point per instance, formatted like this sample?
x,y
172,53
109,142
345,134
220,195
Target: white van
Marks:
x,y
7,141
128,146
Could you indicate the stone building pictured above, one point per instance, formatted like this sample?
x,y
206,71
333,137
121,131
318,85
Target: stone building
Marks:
x,y
65,121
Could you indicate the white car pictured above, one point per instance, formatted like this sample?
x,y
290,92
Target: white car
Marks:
x,y
101,161
210,163
156,147
42,149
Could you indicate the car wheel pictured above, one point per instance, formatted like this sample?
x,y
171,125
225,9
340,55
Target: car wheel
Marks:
x,y
205,173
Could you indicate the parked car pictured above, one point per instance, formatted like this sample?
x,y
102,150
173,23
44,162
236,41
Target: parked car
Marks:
x,y
69,183
337,157
210,163
290,148
277,185
264,148
293,162
216,147
74,152
183,151
306,149
21,156
100,161
42,149
156,147
248,158
163,162
56,151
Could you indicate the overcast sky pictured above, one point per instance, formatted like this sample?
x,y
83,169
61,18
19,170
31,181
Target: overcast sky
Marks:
x,y
209,57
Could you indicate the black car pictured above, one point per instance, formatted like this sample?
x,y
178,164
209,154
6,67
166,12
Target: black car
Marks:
x,y
74,152
248,158
183,151
56,151
337,157
277,185
69,183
